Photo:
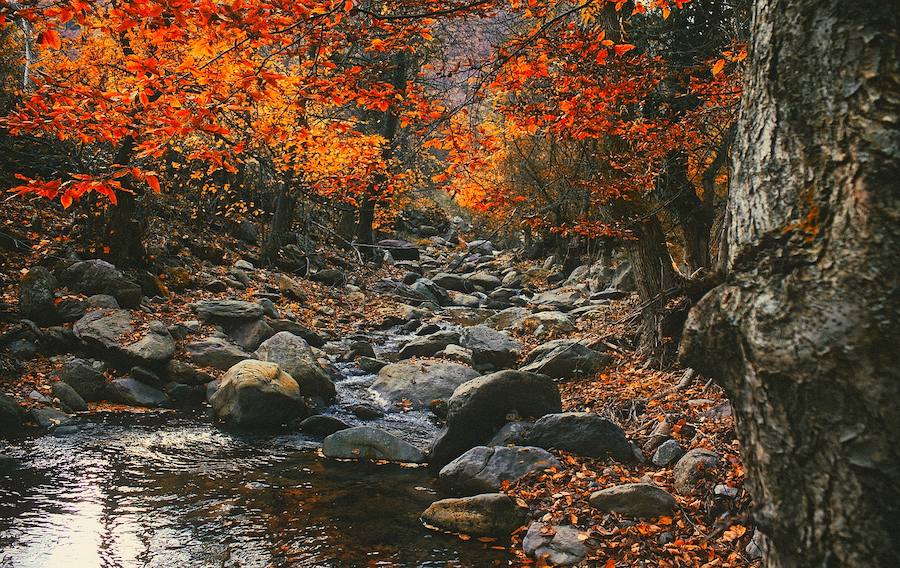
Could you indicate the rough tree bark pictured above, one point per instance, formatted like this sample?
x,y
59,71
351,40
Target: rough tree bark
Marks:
x,y
126,225
285,206
803,334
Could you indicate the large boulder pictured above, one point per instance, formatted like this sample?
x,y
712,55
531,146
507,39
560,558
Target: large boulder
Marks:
x,y
429,345
634,500
564,358
37,298
546,324
48,417
228,312
293,354
68,397
399,250
561,299
489,514
510,318
483,280
100,277
561,545
694,467
484,469
135,393
478,408
492,350
11,413
455,282
154,349
216,352
104,331
431,291
364,442
85,377
257,393
250,334
421,383
582,433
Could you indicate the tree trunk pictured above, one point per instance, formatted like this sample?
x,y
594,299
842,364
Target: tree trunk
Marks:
x,y
803,334
125,225
694,219
285,205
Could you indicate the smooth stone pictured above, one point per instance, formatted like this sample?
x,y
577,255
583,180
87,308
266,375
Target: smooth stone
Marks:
x,y
484,469
634,500
489,514
363,442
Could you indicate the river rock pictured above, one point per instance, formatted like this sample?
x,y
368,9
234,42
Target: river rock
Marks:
x,y
310,336
463,299
249,335
457,353
104,329
297,359
695,466
371,365
510,318
48,418
364,442
11,413
37,298
155,349
429,345
329,277
322,425
216,352
634,500
100,277
68,396
543,324
228,312
564,358
582,433
133,392
489,514
455,282
557,545
431,291
85,377
483,280
484,469
560,299
421,383
492,350
257,393
511,434
399,250
478,408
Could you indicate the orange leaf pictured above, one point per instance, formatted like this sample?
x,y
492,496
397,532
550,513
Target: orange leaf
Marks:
x,y
623,48
717,68
51,39
153,183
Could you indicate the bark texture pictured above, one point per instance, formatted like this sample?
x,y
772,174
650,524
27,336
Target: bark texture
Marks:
x,y
803,334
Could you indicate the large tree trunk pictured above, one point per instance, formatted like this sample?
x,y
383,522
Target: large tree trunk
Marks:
x,y
285,206
126,224
803,334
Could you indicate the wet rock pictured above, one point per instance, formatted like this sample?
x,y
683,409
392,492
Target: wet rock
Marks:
x,y
511,433
634,500
85,377
183,395
104,330
133,392
155,349
100,277
557,545
364,442
371,365
582,433
257,393
564,358
695,466
366,411
228,312
489,514
322,425
49,418
251,334
543,324
667,453
37,298
484,469
491,350
216,352
293,354
421,383
310,336
146,376
429,345
478,408
11,413
68,397
359,349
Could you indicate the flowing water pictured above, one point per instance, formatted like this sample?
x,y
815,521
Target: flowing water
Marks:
x,y
172,489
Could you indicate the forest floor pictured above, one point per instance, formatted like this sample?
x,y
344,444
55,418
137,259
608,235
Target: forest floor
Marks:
x,y
711,525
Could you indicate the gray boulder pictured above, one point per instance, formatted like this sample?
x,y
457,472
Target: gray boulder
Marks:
x,y
582,433
296,358
544,324
557,545
489,514
322,425
478,408
483,280
216,352
421,383
68,397
450,281
561,299
249,335
429,345
564,358
100,277
135,393
11,413
85,377
364,442
511,433
155,349
695,466
667,453
492,350
634,500
228,312
257,393
104,329
509,318
484,469
49,418
37,298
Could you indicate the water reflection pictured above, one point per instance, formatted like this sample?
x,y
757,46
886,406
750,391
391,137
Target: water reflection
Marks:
x,y
169,490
